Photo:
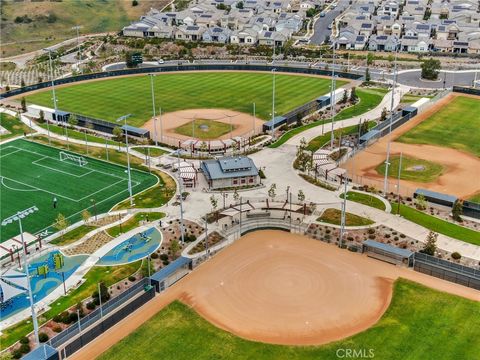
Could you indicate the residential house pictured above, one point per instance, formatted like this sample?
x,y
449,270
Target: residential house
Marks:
x,y
272,38
383,43
217,35
414,44
244,37
189,33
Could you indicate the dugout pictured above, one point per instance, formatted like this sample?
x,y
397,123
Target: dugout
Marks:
x,y
43,352
471,209
323,101
277,122
171,273
388,253
134,131
409,110
435,197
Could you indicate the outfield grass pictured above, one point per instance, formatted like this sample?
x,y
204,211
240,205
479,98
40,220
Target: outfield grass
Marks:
x,y
109,99
369,99
194,129
438,225
431,170
410,99
419,324
108,274
475,198
365,199
32,174
13,125
333,216
319,141
455,126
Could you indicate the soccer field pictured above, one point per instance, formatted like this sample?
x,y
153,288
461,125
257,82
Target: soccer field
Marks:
x,y
109,99
33,174
455,125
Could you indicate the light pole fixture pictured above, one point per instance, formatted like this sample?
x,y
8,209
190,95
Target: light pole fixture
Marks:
x,y
273,104
387,161
54,96
78,27
124,119
153,108
332,96
18,217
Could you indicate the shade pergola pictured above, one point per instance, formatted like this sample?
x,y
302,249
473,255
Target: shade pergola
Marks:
x,y
8,291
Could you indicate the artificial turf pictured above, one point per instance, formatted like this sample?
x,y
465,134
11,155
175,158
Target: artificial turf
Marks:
x,y
33,175
413,169
455,126
110,99
420,323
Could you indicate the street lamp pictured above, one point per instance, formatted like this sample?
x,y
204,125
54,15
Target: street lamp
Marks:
x,y
52,78
18,217
124,119
332,95
78,27
273,104
153,108
387,160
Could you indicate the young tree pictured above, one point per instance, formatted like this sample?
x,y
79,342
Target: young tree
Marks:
x,y
61,223
457,210
345,96
104,294
86,215
41,116
353,95
174,247
420,202
134,2
383,116
203,147
430,69
236,195
22,83
214,203
301,196
272,191
367,75
430,244
118,133
299,119
240,5
24,104
370,59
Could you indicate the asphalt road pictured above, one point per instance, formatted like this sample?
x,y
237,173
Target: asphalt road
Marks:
x,y
321,30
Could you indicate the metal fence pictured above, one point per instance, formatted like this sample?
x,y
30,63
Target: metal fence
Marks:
x,y
447,270
97,314
466,90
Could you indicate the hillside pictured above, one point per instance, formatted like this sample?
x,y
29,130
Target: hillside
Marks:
x,y
33,24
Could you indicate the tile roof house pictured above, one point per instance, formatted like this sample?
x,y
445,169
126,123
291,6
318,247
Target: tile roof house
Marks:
x,y
245,37
231,171
189,33
383,43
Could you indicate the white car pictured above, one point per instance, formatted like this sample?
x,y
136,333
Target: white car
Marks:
x,y
160,61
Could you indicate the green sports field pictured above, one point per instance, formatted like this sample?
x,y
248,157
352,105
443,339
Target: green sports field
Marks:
x,y
419,324
454,125
33,174
109,99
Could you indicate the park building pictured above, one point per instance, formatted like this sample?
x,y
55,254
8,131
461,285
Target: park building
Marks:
x,y
230,172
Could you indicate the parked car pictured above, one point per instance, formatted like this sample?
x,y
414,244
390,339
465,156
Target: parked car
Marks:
x,y
160,61
322,14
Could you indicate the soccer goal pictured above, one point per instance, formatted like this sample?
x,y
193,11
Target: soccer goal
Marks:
x,y
79,160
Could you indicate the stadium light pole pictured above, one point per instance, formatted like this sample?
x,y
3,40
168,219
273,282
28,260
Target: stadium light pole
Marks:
x,y
254,115
124,119
273,104
332,96
180,189
18,217
344,209
153,108
161,126
387,161
52,79
78,27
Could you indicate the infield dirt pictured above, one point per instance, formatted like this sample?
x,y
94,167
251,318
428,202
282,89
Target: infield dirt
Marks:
x,y
276,287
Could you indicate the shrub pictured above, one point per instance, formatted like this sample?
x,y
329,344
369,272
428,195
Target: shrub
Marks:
x,y
24,340
132,278
165,262
395,238
403,236
387,236
57,329
371,231
24,348
57,318
154,256
163,257
371,236
456,255
42,337
91,305
352,248
17,354
328,231
73,317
